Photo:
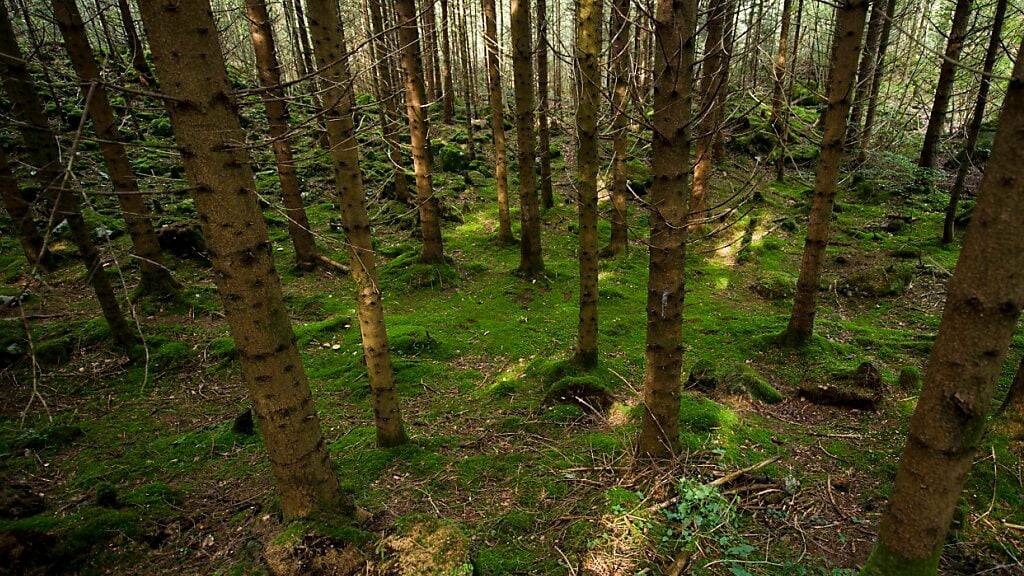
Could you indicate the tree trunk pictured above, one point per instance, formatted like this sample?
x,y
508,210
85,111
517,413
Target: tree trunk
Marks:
x,y
714,73
876,82
974,128
293,35
850,16
448,111
390,119
531,262
329,46
428,24
866,70
206,126
728,46
547,195
419,129
41,148
497,121
20,210
947,73
780,99
588,50
1013,404
155,277
619,71
135,43
675,31
303,33
467,83
983,303
261,29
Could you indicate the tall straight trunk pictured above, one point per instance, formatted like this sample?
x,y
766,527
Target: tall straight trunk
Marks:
x,y
547,195
983,303
428,25
269,70
974,128
795,51
620,72
728,46
41,149
389,116
155,277
20,210
467,83
588,51
850,16
419,129
675,31
134,43
36,43
714,72
780,99
497,121
293,36
205,121
329,46
531,262
866,70
303,33
944,89
876,82
101,15
556,91
1013,404
448,110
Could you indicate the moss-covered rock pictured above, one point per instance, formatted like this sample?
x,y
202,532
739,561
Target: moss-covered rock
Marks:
x,y
589,392
451,158
861,389
773,285
732,379
890,280
411,340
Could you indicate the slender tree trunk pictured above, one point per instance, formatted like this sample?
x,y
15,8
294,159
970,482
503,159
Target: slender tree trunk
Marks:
x,y
795,51
101,15
619,71
206,126
876,82
427,24
994,43
448,111
419,129
303,33
467,83
714,72
497,121
944,90
850,16
1013,404
588,53
156,278
41,148
293,35
866,70
20,210
728,45
135,43
780,98
329,47
390,119
675,31
984,301
556,91
547,196
531,262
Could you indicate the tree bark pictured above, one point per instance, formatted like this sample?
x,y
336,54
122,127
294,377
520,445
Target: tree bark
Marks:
x,y
780,99
714,74
675,31
850,16
983,303
41,148
497,121
20,210
430,69
330,51
448,110
588,51
619,71
547,195
467,82
864,139
531,262
728,46
205,121
866,69
974,128
419,129
390,119
1013,404
944,90
135,44
156,279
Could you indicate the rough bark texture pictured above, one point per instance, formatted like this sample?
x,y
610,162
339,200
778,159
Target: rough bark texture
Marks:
x,y
947,73
156,278
619,71
850,16
588,52
866,69
467,82
205,121
497,121
42,152
135,43
448,109
530,259
983,303
864,139
329,48
714,71
728,45
429,25
780,100
674,29
419,130
547,195
261,30
20,210
389,115
974,128
1013,404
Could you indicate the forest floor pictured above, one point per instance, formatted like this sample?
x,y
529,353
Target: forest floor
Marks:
x,y
141,471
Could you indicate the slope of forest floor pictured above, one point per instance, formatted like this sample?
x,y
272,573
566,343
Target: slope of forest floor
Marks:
x,y
143,470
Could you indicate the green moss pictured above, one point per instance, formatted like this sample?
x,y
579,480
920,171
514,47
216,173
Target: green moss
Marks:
x,y
323,330
774,285
700,415
412,340
886,562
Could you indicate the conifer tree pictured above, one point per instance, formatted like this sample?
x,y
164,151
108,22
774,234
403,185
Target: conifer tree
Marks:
x,y
531,262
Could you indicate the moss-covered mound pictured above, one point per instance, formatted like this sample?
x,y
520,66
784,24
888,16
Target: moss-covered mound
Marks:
x,y
861,389
732,379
